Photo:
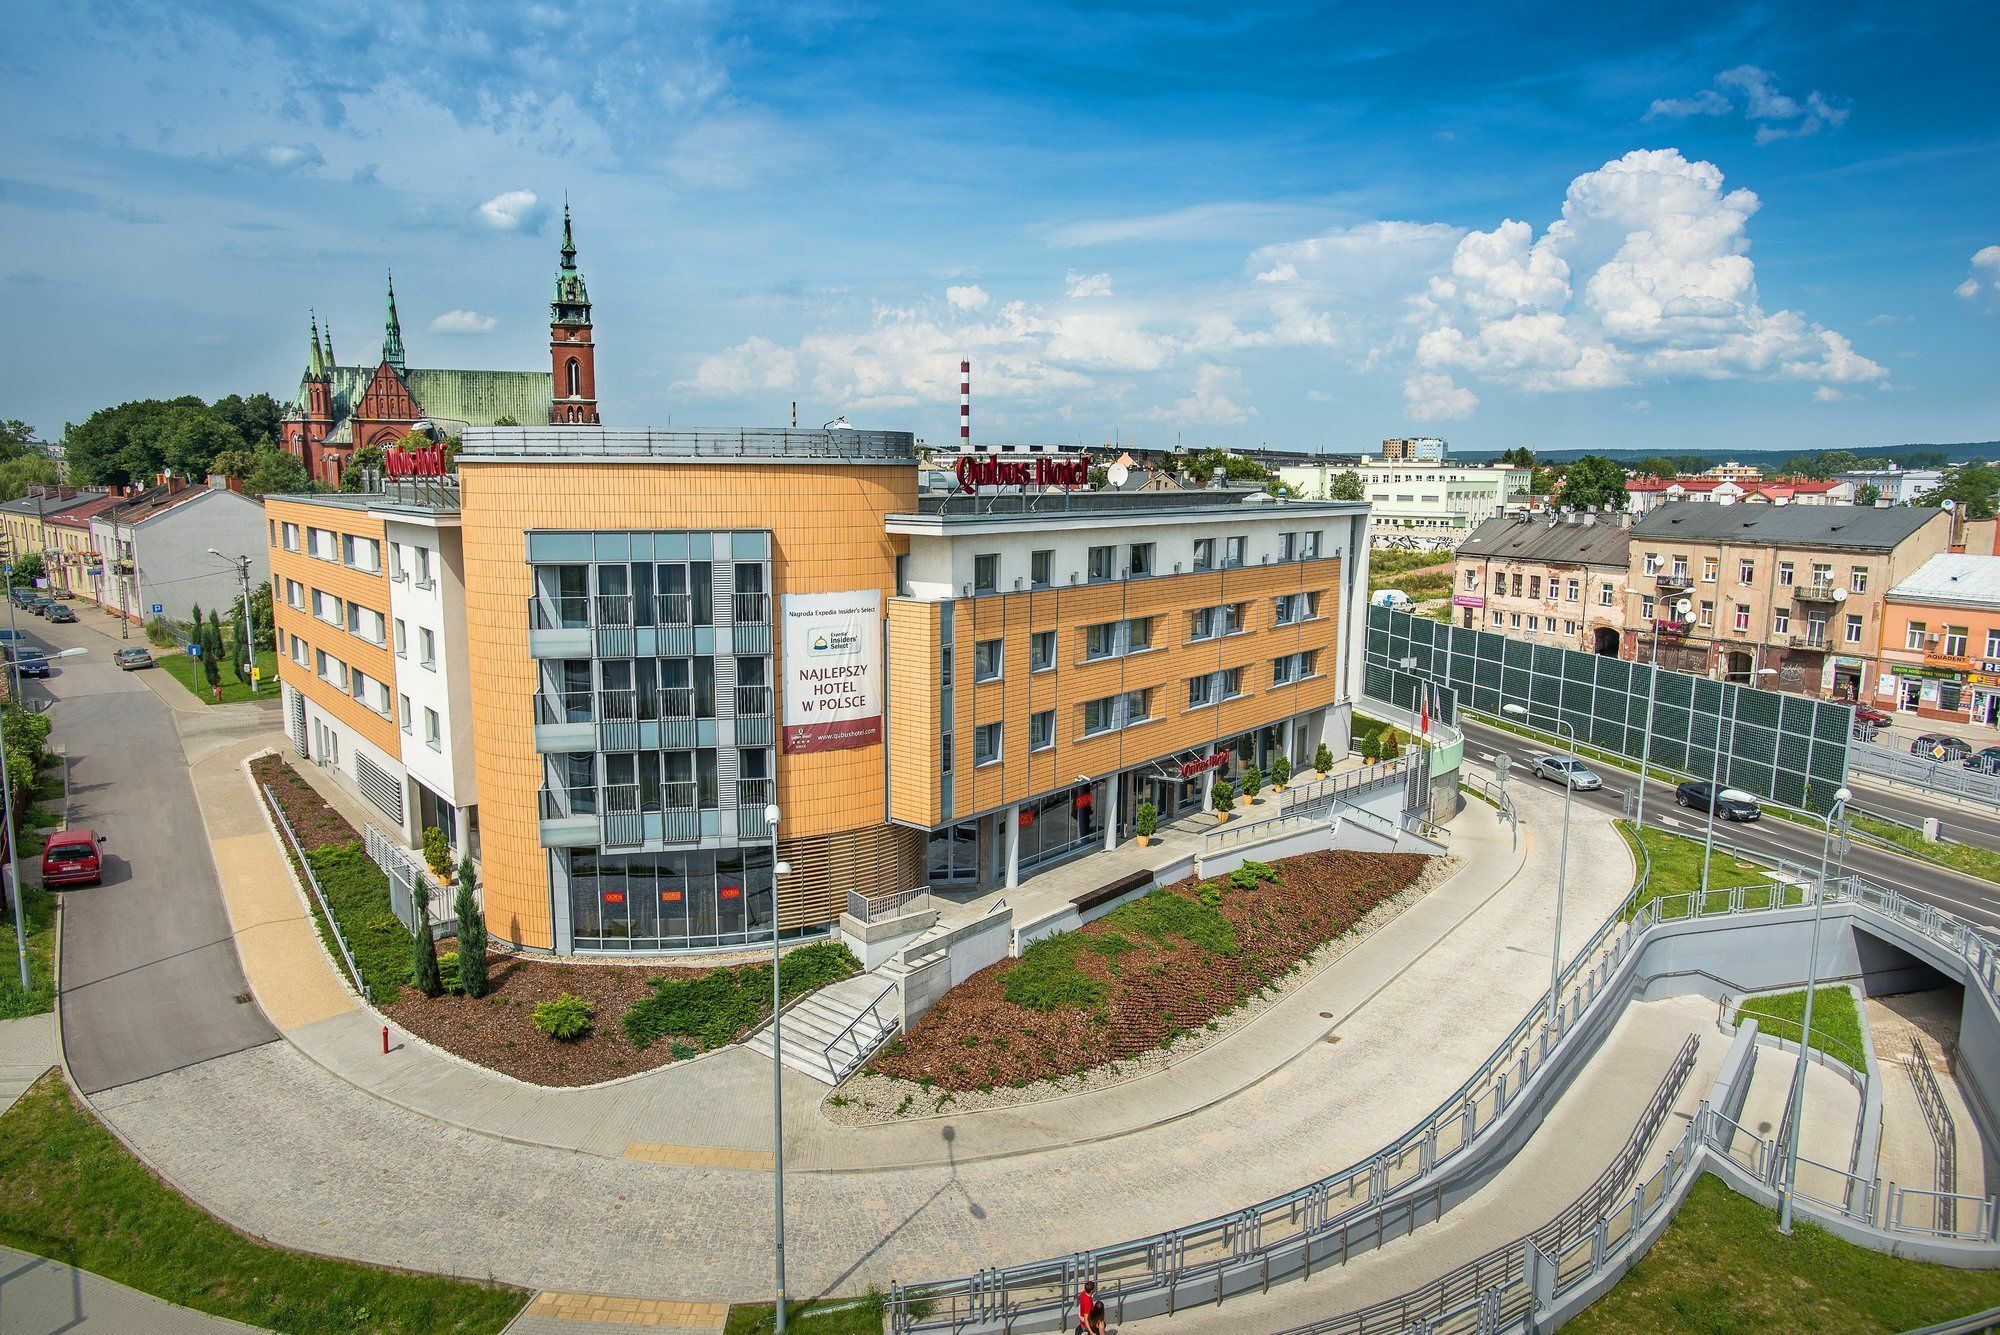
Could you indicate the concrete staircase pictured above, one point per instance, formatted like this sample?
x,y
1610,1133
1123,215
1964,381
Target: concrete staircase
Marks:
x,y
830,1033
897,967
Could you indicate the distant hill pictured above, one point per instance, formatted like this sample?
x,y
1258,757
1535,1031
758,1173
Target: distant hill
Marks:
x,y
1962,452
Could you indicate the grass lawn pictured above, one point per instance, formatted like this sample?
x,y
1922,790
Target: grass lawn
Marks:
x,y
1677,870
75,1195
357,891
39,906
1836,1025
187,672
862,1317
1968,858
1722,1268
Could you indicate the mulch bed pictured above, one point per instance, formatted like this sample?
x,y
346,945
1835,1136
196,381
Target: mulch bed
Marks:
x,y
1154,988
496,1031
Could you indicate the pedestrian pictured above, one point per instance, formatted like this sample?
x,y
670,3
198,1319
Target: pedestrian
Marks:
x,y
1096,1317
1086,1307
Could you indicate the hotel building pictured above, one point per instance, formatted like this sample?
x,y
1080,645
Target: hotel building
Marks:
x,y
663,633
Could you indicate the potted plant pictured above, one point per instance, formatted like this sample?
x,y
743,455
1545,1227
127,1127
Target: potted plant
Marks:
x,y
1222,797
1392,744
437,854
1281,773
1323,760
1253,783
1144,821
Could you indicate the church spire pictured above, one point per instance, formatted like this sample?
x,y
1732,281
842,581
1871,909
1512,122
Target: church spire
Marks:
x,y
571,306
392,335
572,354
315,359
329,347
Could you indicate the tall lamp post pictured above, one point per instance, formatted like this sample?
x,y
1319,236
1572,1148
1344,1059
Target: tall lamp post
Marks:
x,y
1840,797
242,564
777,1070
1682,606
1717,770
13,852
1562,865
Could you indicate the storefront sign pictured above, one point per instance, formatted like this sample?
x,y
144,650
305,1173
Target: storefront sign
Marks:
x,y
833,670
986,470
1467,600
424,461
1191,768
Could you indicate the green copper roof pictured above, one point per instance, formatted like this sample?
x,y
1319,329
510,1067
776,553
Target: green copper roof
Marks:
x,y
572,300
483,397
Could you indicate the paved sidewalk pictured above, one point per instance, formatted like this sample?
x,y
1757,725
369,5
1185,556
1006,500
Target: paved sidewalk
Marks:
x,y
44,1297
27,1050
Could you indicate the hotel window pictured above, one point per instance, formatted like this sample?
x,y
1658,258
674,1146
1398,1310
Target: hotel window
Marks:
x,y
427,647
986,660
1914,637
327,608
1040,566
1742,619
1042,730
1232,552
402,639
986,744
322,544
299,652
1954,641
1854,628
424,580
433,734
291,537
1781,622
1746,571
367,623
1785,571
362,554
331,670
1102,565
1142,560
295,594
1309,545
403,704
1285,543
396,572
1571,589
1857,579
1201,690
371,693
1041,651
1709,569
986,573
1204,553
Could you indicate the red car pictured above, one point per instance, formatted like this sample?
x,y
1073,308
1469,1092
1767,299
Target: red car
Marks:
x,y
1874,718
71,858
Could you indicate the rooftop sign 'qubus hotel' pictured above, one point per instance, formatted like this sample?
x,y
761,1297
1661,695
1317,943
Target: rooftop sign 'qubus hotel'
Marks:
x,y
833,671
984,470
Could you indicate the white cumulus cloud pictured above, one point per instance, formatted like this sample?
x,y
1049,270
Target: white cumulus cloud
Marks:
x,y
1828,394
1208,400
1434,398
514,211
1088,284
754,364
463,322
1985,272
970,297
1776,114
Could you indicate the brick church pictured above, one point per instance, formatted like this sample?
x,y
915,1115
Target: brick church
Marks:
x,y
340,409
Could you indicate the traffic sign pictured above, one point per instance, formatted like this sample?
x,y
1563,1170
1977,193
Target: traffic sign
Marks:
x,y
256,674
194,651
159,609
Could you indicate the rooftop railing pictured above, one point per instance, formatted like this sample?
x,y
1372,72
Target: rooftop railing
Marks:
x,y
775,443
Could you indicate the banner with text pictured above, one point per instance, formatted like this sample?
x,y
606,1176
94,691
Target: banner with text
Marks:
x,y
833,670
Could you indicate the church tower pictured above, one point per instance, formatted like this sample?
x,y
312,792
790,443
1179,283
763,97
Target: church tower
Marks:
x,y
572,356
392,332
319,385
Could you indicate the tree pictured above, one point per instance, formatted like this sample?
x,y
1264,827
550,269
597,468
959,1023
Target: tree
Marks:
x,y
1520,457
427,978
130,443
1346,486
261,623
255,419
233,463
277,473
1593,481
471,934
17,438
353,474
1658,465
1545,480
504,420
1867,494
1971,488
26,570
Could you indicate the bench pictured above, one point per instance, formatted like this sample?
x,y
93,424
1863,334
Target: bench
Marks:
x,y
1104,894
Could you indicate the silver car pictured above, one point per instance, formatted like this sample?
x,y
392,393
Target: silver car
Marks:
x,y
1562,769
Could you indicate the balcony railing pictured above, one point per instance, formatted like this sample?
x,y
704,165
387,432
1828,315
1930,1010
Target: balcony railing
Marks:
x,y
1807,641
613,609
563,803
753,793
753,701
752,609
570,612
564,707
678,795
671,609
1815,591
677,702
1673,579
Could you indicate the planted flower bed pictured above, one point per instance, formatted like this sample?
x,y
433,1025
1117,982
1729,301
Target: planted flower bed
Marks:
x,y
1164,965
637,1017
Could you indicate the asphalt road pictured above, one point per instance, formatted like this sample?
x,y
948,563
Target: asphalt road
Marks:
x,y
1966,897
150,978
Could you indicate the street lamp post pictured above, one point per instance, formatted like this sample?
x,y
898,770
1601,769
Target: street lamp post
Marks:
x,y
1840,797
1717,770
1562,866
242,564
13,852
777,1073
1682,606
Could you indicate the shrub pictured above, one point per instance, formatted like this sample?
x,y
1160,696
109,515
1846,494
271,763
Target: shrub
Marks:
x,y
1253,782
1249,874
437,852
713,1008
1223,796
1281,771
448,972
1323,758
1371,747
1146,820
160,633
471,934
424,972
567,1018
1210,894
1391,744
1046,977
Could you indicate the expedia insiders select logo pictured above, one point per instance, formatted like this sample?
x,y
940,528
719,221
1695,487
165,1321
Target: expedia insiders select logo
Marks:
x,y
836,642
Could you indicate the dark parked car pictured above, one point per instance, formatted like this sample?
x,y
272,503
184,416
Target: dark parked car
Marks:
x,y
31,662
132,657
1986,760
40,604
1939,746
59,613
1729,803
71,858
1874,718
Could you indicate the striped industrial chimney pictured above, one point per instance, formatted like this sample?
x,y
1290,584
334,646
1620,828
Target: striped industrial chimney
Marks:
x,y
964,405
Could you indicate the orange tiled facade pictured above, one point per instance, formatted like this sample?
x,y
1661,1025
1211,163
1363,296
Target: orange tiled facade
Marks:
x,y
328,605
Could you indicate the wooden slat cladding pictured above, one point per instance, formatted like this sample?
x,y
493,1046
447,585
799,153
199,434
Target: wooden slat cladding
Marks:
x,y
876,861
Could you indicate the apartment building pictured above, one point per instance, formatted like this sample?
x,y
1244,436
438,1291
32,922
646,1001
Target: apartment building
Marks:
x,y
24,520
368,593
1643,495
1548,578
1941,642
1796,589
1898,486
155,549
1414,449
666,632
1411,498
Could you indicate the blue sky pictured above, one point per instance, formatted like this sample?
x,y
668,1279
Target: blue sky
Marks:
x,y
1639,226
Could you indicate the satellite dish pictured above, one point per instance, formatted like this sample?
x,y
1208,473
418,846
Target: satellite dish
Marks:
x,y
1948,505
1118,474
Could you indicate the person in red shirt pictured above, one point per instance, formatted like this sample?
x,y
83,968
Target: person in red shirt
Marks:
x,y
1086,1309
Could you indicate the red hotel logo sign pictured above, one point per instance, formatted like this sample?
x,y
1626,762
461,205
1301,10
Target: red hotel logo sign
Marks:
x,y
427,461
976,471
1190,768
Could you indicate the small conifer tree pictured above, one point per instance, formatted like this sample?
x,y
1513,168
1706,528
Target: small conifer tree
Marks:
x,y
471,935
428,980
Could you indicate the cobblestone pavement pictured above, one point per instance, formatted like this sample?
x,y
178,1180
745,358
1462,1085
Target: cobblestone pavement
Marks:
x,y
336,1170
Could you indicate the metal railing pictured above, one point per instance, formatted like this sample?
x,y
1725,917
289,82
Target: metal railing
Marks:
x,y
753,701
558,612
495,442
611,610
753,793
1379,774
319,895
1947,776
1944,1134
565,803
679,795
406,871
876,908
751,609
672,609
847,1049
